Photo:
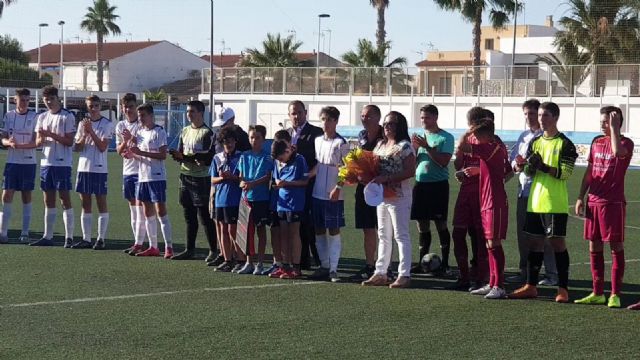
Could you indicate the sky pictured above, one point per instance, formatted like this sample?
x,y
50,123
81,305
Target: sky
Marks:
x,y
413,26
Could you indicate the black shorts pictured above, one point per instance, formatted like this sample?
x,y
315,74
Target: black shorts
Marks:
x,y
290,216
366,216
430,201
194,191
260,212
548,225
227,215
274,220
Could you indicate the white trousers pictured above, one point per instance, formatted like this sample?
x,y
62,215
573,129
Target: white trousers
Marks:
x,y
393,223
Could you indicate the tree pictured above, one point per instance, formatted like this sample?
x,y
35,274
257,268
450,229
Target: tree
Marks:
x,y
595,32
366,55
472,11
380,6
276,52
4,3
11,49
100,19
157,96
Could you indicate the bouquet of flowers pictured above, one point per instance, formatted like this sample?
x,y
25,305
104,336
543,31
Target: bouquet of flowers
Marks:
x,y
361,166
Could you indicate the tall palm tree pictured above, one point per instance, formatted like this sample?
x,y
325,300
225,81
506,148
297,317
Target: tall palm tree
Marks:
x,y
596,32
4,3
366,55
100,19
276,52
472,11
380,6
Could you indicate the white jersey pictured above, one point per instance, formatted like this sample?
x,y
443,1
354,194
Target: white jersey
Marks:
x,y
329,153
129,166
151,140
60,123
91,159
21,127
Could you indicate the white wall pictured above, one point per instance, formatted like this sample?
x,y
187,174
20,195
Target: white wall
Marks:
x,y
529,45
576,114
151,67
541,31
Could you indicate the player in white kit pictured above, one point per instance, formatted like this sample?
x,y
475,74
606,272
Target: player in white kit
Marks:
x,y
18,135
151,149
126,129
55,130
92,141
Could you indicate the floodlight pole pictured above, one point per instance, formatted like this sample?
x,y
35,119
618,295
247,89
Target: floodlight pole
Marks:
x,y
61,83
211,69
40,26
513,51
320,16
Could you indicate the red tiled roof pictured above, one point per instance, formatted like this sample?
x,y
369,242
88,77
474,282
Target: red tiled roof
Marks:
x,y
425,63
85,52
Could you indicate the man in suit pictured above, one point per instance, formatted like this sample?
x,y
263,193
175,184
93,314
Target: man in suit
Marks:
x,y
303,136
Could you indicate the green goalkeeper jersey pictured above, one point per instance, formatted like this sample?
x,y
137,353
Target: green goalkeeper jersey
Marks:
x,y
549,193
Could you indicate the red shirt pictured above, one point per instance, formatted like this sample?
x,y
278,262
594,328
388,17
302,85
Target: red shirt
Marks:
x,y
607,170
469,185
492,157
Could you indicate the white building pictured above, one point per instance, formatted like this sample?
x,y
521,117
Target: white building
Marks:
x,y
128,66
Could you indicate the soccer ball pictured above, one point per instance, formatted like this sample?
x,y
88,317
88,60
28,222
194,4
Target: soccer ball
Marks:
x,y
430,262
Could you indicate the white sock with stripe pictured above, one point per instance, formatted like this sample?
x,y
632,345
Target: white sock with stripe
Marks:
x,y
165,228
4,221
141,230
103,222
133,214
152,231
49,222
68,220
86,224
26,218
323,250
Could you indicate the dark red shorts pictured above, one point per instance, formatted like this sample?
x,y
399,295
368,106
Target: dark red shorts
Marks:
x,y
466,213
495,222
605,222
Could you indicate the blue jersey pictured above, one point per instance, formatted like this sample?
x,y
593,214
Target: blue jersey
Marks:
x,y
252,167
291,198
228,192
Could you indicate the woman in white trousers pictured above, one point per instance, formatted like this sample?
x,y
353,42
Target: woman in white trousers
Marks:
x,y
397,167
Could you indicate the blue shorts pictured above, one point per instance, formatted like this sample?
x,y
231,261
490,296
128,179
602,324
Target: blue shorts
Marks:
x,y
152,191
54,178
19,177
91,183
129,186
327,214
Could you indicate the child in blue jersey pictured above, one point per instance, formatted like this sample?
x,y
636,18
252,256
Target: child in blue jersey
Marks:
x,y
290,175
255,168
225,182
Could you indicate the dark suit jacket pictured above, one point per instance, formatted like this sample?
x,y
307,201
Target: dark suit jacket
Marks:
x,y
306,145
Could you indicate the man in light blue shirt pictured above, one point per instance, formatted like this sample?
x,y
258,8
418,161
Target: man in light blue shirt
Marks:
x,y
530,110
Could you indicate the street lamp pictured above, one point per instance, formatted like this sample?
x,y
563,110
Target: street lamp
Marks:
x,y
40,26
320,17
211,70
61,23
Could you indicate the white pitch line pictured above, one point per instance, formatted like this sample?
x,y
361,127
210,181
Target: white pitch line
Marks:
x,y
584,263
582,219
161,293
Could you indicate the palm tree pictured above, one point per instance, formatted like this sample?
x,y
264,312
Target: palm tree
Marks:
x,y
472,11
4,3
100,19
276,52
380,6
366,55
596,32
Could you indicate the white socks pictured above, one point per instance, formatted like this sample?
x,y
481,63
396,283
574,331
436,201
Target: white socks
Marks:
x,y
165,227
86,223
140,229
26,218
133,214
335,247
323,250
152,231
49,222
68,220
4,220
103,222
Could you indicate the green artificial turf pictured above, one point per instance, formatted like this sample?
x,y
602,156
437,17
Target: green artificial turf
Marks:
x,y
79,304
